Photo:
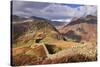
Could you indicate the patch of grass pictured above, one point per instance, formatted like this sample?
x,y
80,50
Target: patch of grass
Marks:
x,y
80,58
23,60
20,43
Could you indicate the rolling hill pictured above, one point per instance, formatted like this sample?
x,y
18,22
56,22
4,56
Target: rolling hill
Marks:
x,y
32,26
37,40
84,29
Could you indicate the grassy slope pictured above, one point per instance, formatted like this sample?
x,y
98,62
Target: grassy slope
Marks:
x,y
70,51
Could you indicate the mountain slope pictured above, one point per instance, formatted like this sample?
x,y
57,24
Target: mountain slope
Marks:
x,y
36,41
85,28
29,29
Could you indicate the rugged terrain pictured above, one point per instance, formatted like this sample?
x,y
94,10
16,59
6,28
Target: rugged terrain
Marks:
x,y
37,41
85,29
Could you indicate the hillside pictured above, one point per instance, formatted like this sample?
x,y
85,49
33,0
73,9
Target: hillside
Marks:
x,y
37,41
31,28
85,29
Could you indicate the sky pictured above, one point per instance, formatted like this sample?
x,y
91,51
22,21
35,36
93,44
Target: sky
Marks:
x,y
52,11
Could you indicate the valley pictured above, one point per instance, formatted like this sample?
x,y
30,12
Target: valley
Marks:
x,y
38,41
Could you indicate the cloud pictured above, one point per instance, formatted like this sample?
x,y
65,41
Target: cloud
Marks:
x,y
86,10
27,8
52,11
57,11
